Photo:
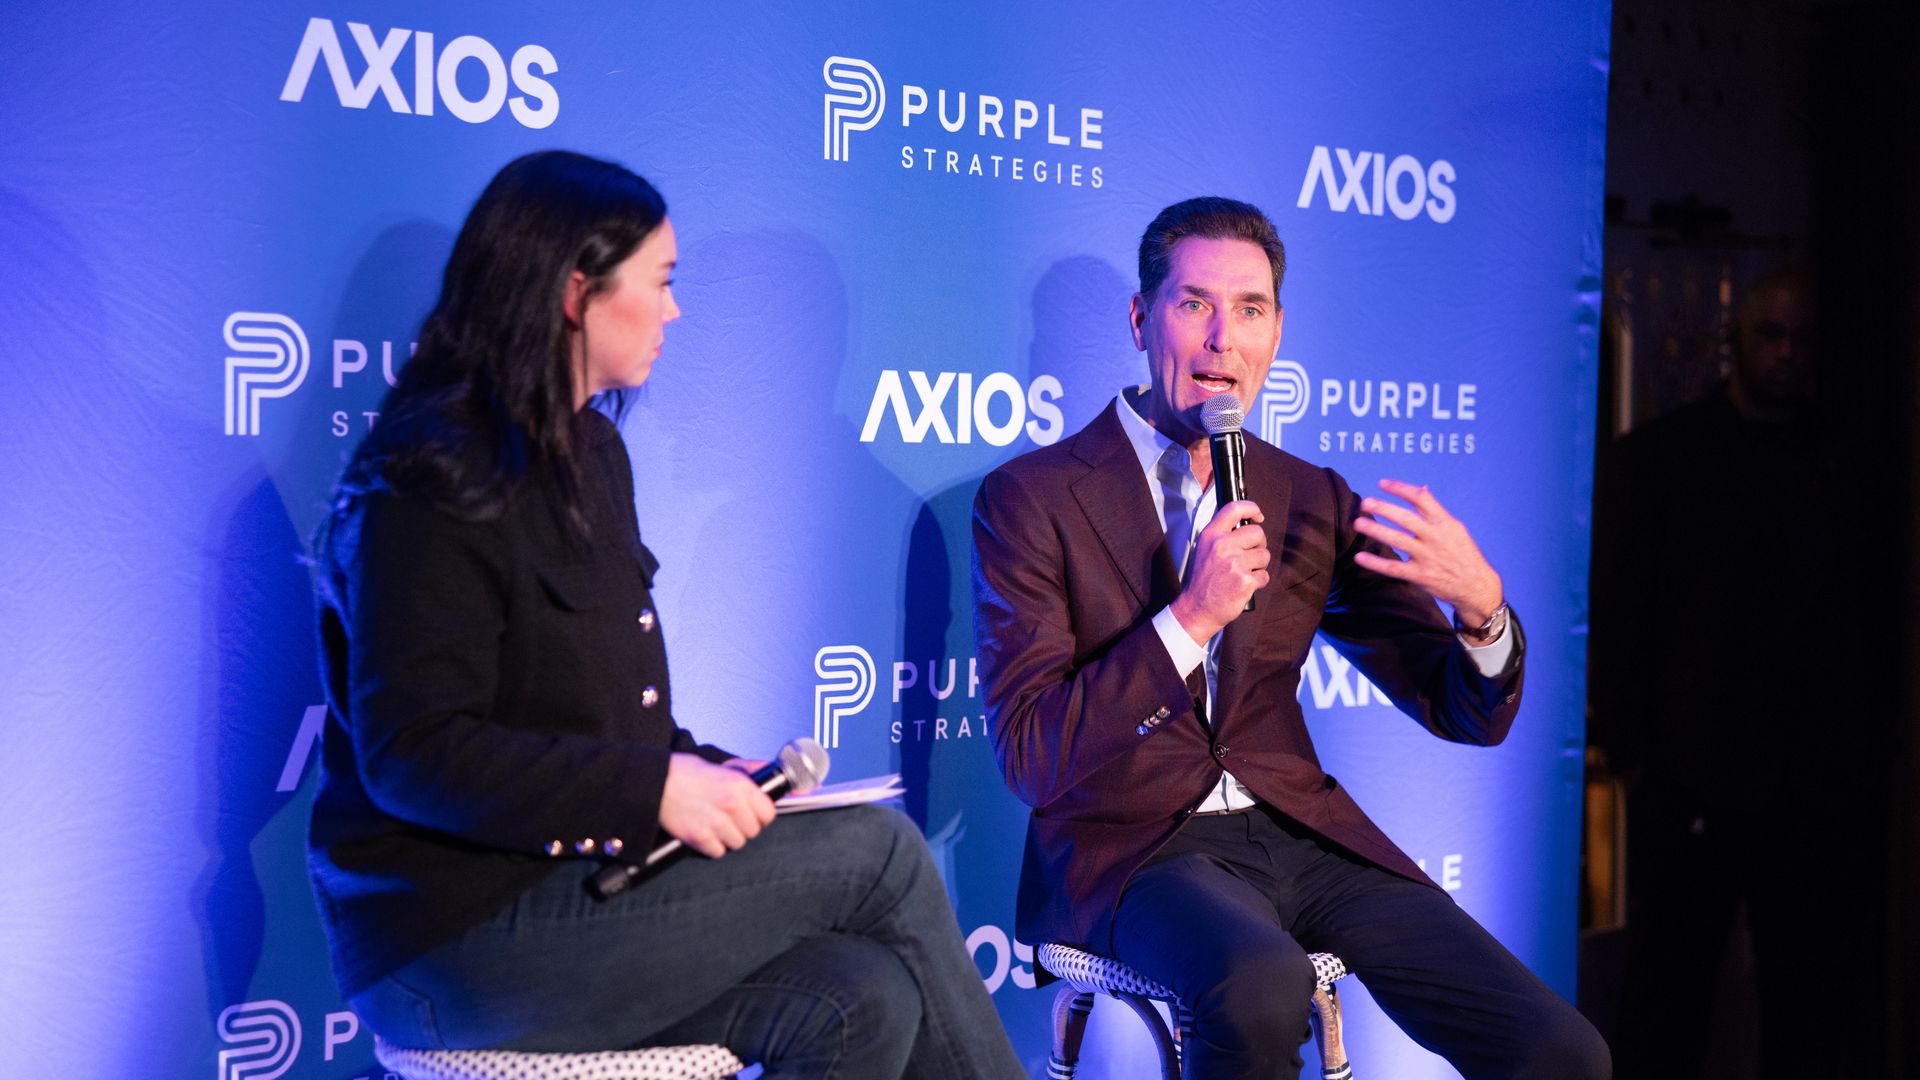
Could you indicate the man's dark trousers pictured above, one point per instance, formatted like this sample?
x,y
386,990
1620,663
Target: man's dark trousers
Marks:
x,y
1226,913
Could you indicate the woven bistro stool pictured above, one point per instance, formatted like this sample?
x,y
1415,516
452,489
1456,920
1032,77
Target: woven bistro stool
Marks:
x,y
1084,975
653,1063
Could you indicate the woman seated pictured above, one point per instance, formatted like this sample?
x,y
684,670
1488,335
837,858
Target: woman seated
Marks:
x,y
501,725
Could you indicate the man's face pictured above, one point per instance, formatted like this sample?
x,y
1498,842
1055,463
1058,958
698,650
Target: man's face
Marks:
x,y
1774,364
1212,327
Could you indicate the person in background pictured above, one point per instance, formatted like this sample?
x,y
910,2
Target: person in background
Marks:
x,y
1716,589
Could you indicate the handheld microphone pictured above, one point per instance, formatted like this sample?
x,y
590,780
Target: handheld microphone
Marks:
x,y
798,769
1222,416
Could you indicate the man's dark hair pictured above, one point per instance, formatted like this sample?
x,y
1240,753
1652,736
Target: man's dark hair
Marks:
x,y
1790,277
1212,218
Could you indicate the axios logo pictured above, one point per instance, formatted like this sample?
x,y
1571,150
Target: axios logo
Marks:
x,y
536,106
856,106
265,1037
1012,959
1372,185
1338,683
272,362
847,679
1283,398
972,408
856,100
306,739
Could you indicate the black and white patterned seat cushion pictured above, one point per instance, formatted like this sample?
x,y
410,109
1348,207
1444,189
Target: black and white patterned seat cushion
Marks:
x,y
1327,969
657,1063
1089,973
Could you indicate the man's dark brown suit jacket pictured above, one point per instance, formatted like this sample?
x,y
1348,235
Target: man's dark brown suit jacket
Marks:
x,y
1093,725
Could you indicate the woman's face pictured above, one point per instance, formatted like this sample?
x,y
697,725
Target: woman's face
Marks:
x,y
624,324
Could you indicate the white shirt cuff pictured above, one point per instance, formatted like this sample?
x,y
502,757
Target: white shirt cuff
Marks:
x,y
1490,659
1181,649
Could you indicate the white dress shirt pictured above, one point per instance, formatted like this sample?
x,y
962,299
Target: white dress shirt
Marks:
x,y
1184,508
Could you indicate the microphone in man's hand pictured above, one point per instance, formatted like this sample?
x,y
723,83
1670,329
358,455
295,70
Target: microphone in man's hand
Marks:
x,y
798,769
1222,416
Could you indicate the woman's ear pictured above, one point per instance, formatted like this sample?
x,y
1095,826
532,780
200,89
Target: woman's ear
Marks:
x,y
574,304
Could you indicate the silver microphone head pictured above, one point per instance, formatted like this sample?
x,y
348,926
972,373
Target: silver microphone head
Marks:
x,y
1222,413
805,763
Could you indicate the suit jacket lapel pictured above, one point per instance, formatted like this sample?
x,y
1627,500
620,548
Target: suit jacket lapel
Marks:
x,y
1268,488
1114,498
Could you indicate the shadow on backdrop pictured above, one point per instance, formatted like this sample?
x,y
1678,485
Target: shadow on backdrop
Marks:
x,y
258,741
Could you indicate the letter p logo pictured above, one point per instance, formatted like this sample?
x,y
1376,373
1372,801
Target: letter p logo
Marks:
x,y
270,361
265,1036
1283,400
856,96
846,684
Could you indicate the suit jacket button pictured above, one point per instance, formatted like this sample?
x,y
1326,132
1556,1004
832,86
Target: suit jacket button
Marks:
x,y
649,697
1509,698
1142,730
1220,751
647,621
613,845
584,847
555,848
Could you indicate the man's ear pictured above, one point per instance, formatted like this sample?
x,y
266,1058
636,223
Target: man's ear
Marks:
x,y
574,304
1137,319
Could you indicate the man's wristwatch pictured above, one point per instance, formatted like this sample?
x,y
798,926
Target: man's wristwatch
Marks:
x,y
1486,631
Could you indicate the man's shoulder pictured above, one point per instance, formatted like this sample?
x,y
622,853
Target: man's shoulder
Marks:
x,y
1682,441
1073,456
1043,483
1704,417
1031,483
1273,457
1303,478
1058,460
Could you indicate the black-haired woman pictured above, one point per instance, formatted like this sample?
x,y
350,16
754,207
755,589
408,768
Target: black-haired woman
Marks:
x,y
500,718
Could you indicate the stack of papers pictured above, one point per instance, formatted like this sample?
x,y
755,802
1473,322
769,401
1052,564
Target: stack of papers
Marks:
x,y
846,793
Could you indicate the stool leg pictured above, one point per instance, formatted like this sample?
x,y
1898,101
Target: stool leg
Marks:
x,y
1162,1042
1182,1030
1333,1048
1070,1009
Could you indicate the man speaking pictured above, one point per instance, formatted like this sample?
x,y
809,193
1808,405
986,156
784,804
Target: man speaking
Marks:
x,y
1181,821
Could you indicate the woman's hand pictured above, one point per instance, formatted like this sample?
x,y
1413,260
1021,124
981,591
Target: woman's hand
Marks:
x,y
712,809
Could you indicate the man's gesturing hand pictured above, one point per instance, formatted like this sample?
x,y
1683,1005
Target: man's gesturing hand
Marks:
x,y
1441,557
712,809
1229,566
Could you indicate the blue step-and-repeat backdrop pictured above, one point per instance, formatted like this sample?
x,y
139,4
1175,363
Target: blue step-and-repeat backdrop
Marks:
x,y
907,239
